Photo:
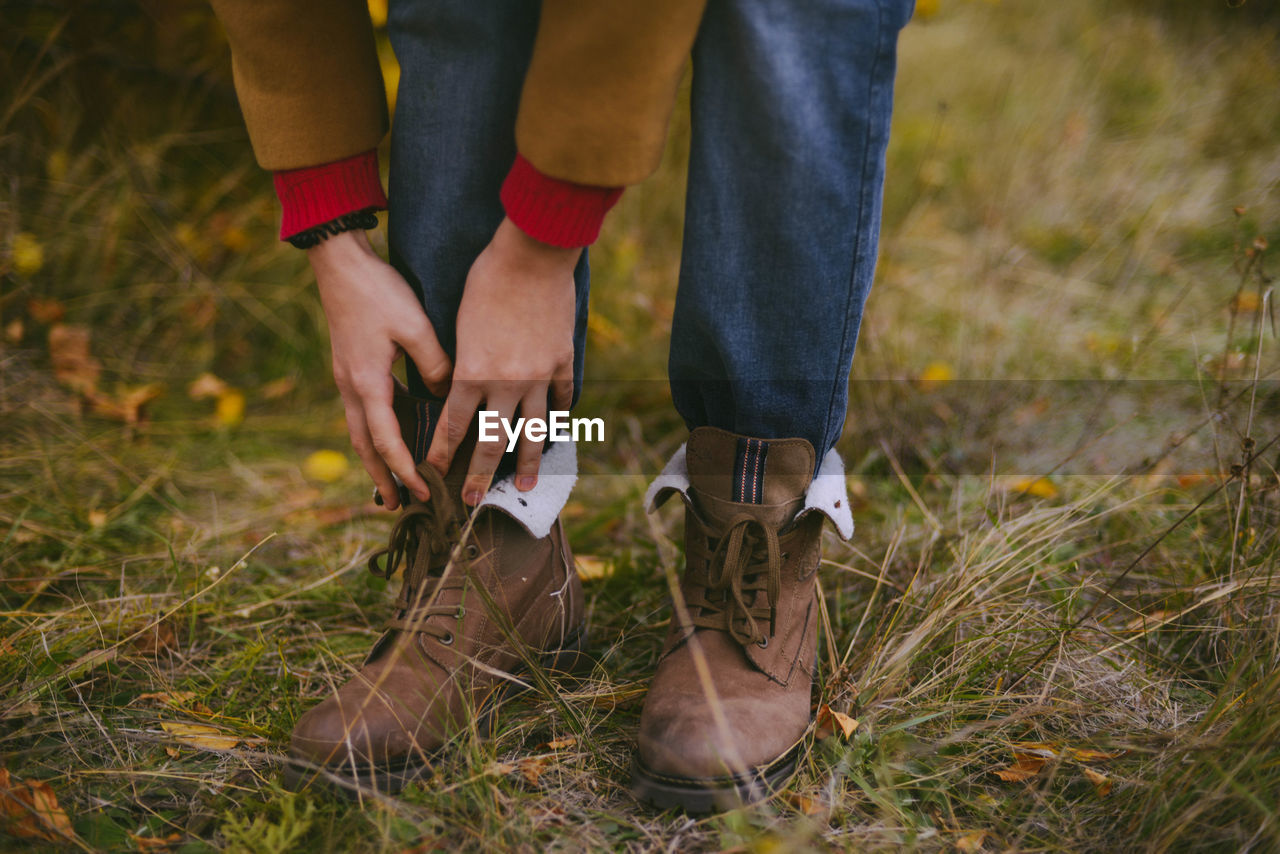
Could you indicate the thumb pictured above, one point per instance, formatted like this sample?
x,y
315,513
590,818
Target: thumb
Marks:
x,y
432,362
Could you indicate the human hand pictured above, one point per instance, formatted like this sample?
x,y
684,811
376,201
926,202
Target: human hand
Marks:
x,y
373,317
515,342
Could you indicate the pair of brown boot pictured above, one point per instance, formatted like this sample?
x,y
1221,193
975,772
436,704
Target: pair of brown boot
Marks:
x,y
486,607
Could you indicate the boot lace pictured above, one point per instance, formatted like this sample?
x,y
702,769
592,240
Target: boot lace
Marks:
x,y
746,561
433,525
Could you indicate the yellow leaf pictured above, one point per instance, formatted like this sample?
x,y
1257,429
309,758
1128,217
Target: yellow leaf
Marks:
x,y
57,165
30,810
1085,754
1021,771
325,466
1101,782
603,329
28,254
561,743
151,843
830,722
936,374
199,735
378,13
1246,302
235,238
592,568
1040,487
230,409
206,386
971,842
14,330
806,804
97,518
1042,749
926,9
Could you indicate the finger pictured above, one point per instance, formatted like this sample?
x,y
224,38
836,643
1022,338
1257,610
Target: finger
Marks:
x,y
432,362
384,430
562,388
485,458
529,455
362,444
455,417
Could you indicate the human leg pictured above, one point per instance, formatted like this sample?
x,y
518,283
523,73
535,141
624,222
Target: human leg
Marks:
x,y
489,591
790,121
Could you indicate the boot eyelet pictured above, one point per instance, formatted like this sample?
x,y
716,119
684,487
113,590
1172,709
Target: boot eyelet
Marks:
x,y
472,551
763,644
460,613
447,640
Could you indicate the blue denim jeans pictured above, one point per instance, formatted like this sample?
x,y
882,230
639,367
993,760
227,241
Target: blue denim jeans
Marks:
x,y
790,120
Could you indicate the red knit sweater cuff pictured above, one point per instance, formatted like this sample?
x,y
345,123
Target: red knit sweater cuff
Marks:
x,y
316,194
557,212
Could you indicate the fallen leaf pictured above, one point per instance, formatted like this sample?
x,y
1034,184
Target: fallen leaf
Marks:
x,y
46,311
1042,749
1101,782
14,330
1024,769
830,721
229,411
200,735
155,843
30,810
1246,302
591,568
156,638
499,769
325,466
532,767
806,804
28,254
185,700
277,388
971,842
206,387
1085,754
97,518
561,743
1040,487
127,406
935,374
73,364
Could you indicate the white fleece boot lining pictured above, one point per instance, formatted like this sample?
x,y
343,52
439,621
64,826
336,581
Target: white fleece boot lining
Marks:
x,y
538,508
827,494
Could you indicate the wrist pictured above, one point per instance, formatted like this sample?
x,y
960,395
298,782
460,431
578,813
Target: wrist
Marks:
x,y
533,254
339,250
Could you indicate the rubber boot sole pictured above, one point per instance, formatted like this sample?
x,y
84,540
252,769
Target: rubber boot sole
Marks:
x,y
708,794
352,780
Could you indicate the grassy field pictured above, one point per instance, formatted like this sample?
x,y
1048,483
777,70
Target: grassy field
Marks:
x,y
1058,624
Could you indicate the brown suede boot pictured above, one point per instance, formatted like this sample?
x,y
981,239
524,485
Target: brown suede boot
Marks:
x,y
729,706
482,602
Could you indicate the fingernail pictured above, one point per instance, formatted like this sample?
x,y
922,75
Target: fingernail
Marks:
x,y
423,495
526,482
472,497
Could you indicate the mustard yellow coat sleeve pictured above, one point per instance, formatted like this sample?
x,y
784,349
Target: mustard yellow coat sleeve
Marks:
x,y
601,85
594,109
307,76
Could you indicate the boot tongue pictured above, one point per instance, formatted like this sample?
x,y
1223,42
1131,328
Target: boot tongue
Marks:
x,y
730,474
